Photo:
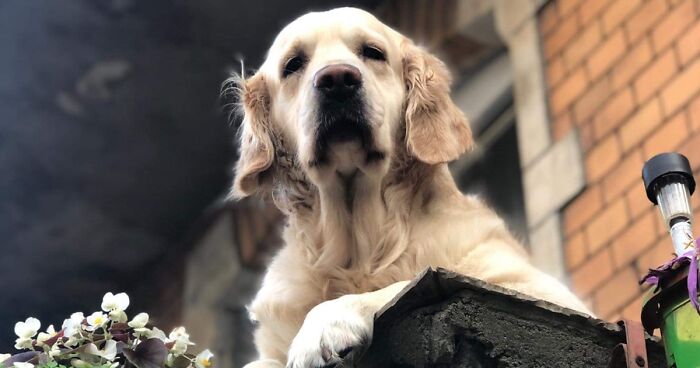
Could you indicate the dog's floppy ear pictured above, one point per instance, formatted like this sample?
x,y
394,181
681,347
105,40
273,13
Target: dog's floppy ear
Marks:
x,y
436,130
256,148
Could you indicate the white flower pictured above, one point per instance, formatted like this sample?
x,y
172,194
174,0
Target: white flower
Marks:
x,y
23,365
25,331
72,326
43,336
139,324
28,328
139,321
181,338
54,351
23,343
4,357
77,363
96,320
118,316
180,334
179,348
203,359
115,303
156,333
109,351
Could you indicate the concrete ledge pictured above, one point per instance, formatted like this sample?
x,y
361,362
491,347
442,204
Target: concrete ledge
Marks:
x,y
447,320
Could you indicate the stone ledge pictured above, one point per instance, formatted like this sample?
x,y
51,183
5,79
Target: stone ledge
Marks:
x,y
443,319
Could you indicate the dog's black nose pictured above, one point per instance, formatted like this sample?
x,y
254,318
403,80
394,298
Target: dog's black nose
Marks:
x,y
338,81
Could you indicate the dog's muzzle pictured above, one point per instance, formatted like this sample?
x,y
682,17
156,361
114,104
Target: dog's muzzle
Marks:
x,y
341,108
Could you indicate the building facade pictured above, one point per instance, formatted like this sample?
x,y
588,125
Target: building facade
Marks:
x,y
624,74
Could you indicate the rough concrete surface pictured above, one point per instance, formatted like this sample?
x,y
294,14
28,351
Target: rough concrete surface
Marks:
x,y
448,320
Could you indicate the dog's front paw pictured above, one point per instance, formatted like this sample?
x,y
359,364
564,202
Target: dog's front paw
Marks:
x,y
331,332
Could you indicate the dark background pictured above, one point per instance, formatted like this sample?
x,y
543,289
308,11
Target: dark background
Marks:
x,y
113,143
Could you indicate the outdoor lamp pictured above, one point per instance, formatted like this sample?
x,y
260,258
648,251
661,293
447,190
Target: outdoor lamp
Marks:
x,y
669,183
672,305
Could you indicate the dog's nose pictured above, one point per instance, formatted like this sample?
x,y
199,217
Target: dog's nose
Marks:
x,y
338,81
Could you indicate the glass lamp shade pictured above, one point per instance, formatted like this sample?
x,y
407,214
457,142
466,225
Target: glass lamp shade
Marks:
x,y
674,202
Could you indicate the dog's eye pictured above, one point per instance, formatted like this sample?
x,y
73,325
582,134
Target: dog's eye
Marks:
x,y
293,65
371,52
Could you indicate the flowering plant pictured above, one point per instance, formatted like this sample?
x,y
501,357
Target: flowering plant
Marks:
x,y
104,339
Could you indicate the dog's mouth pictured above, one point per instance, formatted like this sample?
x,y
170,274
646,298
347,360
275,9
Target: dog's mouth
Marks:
x,y
343,124
340,130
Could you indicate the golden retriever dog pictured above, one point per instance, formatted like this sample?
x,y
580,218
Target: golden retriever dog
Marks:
x,y
348,126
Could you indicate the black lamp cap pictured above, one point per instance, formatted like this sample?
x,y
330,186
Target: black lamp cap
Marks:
x,y
664,168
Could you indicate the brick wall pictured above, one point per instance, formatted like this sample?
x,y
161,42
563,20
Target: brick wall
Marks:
x,y
626,75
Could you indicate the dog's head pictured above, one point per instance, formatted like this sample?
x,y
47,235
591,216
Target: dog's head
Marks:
x,y
342,92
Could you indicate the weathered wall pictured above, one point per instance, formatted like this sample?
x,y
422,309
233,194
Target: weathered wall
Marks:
x,y
625,74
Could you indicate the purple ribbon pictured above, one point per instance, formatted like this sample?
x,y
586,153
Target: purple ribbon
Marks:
x,y
656,275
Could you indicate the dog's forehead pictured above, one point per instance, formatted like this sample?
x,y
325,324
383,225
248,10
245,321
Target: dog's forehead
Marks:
x,y
318,25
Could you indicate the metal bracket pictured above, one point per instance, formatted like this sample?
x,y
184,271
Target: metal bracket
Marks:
x,y
633,353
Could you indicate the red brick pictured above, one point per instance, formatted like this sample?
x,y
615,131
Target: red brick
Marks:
x,y
625,174
673,24
694,200
694,114
566,7
639,125
668,137
567,91
602,158
661,229
582,209
618,12
616,292
691,149
591,10
606,225
689,44
575,250
655,76
613,113
632,63
562,126
581,47
636,198
633,310
555,41
549,18
606,54
682,88
644,18
555,71
592,273
637,238
660,253
591,100
586,137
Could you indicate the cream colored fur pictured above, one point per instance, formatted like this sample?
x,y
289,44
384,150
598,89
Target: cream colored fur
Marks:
x,y
352,244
